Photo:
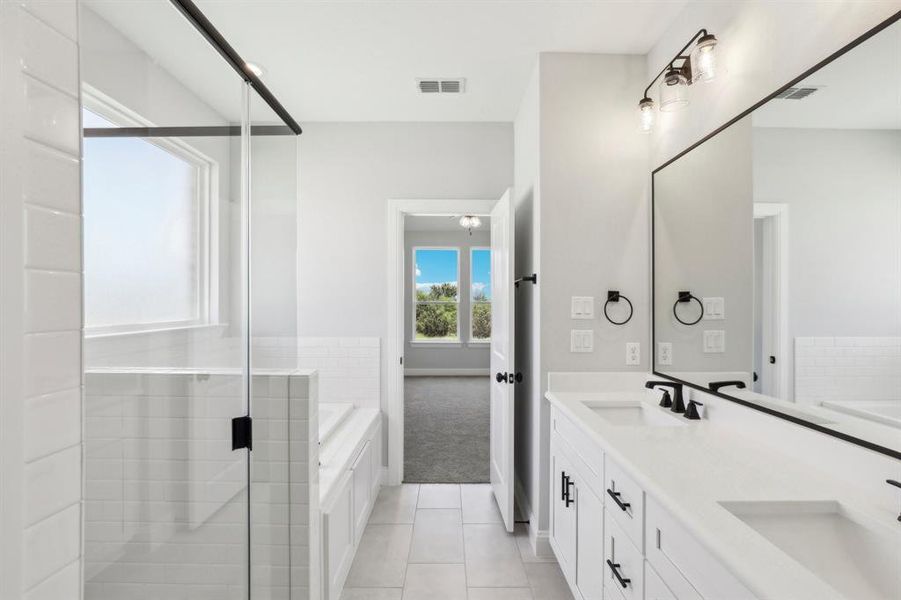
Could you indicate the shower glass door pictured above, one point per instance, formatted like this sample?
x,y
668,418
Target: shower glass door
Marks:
x,y
168,502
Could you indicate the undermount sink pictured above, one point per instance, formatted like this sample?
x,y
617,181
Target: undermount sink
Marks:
x,y
856,556
634,413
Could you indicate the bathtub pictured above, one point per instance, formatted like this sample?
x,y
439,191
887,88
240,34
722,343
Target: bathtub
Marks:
x,y
887,412
331,415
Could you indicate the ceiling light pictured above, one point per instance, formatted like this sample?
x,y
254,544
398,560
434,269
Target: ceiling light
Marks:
x,y
254,68
470,222
681,71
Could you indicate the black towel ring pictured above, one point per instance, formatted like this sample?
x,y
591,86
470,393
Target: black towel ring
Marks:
x,y
688,297
615,296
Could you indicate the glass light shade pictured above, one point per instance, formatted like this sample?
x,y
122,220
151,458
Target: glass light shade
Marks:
x,y
673,91
703,60
646,115
470,222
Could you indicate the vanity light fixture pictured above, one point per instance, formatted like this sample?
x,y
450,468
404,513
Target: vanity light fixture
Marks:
x,y
681,71
470,222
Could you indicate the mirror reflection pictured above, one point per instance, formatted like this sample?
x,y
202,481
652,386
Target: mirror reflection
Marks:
x,y
778,251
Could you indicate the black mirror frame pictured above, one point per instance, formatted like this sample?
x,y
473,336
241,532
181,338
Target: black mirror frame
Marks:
x,y
765,409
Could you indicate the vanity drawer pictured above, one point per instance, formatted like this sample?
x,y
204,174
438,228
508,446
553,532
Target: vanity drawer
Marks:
x,y
686,567
621,555
587,456
624,500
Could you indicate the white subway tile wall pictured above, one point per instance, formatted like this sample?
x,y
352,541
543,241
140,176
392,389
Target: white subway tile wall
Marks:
x,y
166,497
847,368
40,204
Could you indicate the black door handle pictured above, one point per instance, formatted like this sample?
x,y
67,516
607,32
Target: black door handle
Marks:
x,y
615,495
614,568
501,377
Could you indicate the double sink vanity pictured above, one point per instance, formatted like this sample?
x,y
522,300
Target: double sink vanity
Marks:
x,y
649,504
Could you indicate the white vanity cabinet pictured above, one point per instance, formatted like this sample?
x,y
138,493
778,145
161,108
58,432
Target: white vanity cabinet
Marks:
x,y
620,544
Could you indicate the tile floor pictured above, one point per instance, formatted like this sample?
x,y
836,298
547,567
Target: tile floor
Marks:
x,y
447,542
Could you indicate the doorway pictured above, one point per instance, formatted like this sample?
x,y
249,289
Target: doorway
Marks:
x,y
772,356
447,333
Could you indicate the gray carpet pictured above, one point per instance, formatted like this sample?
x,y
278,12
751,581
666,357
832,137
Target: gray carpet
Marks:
x,y
446,429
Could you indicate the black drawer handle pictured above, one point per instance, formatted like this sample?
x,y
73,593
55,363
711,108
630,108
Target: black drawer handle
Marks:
x,y
569,484
619,503
614,568
563,479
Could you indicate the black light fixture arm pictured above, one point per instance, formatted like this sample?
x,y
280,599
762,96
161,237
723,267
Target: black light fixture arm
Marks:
x,y
679,55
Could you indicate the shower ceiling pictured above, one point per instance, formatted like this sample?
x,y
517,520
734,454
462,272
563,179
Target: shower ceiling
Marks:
x,y
358,61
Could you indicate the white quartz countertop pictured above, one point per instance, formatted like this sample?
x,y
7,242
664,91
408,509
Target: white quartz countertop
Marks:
x,y
690,469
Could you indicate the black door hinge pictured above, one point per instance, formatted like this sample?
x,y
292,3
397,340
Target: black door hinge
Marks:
x,y
242,433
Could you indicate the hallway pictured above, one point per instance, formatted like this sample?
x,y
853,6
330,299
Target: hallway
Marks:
x,y
447,542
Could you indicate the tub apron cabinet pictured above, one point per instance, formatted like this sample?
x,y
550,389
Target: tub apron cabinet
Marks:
x,y
613,540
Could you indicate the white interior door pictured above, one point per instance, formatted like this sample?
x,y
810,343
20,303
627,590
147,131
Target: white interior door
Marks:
x,y
502,368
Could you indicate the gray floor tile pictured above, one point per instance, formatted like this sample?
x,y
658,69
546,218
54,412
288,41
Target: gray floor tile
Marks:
x,y
496,572
439,495
435,582
547,582
381,559
488,540
479,505
372,594
396,504
437,536
500,594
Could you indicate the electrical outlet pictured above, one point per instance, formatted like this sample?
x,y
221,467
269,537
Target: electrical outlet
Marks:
x,y
582,307
633,353
664,353
581,340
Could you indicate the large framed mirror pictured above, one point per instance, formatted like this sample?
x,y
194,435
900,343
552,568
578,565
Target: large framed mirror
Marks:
x,y
777,251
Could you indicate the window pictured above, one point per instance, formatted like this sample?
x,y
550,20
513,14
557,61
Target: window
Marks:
x,y
146,230
480,293
436,296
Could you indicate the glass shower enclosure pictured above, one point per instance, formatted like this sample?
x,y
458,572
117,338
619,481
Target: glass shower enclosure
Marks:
x,y
197,470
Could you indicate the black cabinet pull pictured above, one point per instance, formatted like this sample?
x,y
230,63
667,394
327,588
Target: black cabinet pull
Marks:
x,y
563,485
614,568
619,503
568,499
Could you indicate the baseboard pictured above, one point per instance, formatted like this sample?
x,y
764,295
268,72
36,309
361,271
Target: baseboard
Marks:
x,y
539,539
446,372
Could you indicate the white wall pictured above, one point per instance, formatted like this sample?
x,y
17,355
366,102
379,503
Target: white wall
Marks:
x,y
348,171
763,46
40,302
590,230
456,355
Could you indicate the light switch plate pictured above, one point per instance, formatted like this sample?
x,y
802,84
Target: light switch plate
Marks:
x,y
664,353
633,353
582,307
714,309
581,340
714,341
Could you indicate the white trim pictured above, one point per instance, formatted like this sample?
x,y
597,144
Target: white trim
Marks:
x,y
446,372
394,342
777,215
539,540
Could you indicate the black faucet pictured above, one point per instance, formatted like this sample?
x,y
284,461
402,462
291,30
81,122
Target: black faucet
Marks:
x,y
676,404
716,385
897,485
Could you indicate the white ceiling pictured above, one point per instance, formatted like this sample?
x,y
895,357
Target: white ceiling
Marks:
x,y
439,223
358,60
859,90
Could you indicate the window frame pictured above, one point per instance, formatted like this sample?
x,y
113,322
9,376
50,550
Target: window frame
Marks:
x,y
474,341
206,218
414,340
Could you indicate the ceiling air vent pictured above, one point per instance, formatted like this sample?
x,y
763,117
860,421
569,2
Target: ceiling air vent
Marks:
x,y
441,86
796,93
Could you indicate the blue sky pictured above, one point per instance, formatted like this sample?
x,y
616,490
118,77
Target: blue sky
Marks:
x,y
440,266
